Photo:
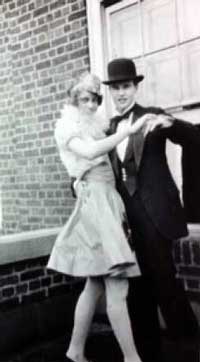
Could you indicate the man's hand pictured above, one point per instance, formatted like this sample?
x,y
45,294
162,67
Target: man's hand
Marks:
x,y
157,121
148,123
142,122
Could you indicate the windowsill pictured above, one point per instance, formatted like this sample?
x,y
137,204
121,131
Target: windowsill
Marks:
x,y
33,244
27,245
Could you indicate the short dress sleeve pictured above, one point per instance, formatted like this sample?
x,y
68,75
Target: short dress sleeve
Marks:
x,y
67,127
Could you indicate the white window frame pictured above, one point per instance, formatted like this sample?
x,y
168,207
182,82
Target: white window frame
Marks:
x,y
98,59
1,212
94,16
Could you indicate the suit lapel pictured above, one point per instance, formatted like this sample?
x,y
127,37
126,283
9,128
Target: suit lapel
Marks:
x,y
115,162
130,145
135,144
113,153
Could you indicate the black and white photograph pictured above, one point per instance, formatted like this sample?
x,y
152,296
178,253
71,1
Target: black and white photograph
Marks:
x,y
100,180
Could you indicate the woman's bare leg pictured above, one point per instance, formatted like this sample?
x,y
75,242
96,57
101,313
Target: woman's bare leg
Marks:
x,y
84,313
116,294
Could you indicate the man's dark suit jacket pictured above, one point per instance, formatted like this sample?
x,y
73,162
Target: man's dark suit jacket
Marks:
x,y
156,186
191,180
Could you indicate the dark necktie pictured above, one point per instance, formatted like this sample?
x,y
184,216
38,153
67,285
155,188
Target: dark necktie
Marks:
x,y
137,140
123,116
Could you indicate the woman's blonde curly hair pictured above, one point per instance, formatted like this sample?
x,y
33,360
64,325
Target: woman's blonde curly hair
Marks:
x,y
86,82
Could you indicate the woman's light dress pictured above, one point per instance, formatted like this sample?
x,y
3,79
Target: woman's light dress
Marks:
x,y
94,241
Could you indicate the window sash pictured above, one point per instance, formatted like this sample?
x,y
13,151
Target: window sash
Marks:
x,y
175,53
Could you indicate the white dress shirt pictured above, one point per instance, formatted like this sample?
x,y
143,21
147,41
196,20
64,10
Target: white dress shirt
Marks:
x,y
121,147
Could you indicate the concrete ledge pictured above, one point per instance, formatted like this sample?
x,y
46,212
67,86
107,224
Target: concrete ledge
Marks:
x,y
33,244
194,231
27,245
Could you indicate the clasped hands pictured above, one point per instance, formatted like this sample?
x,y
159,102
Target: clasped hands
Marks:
x,y
149,122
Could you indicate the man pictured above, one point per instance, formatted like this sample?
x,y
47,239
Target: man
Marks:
x,y
191,180
154,210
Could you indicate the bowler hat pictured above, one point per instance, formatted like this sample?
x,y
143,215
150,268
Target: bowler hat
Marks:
x,y
122,69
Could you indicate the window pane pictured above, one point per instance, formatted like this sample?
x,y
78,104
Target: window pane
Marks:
x,y
159,24
141,93
190,56
163,78
188,18
126,38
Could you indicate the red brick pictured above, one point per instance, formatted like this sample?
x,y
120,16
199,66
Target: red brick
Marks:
x,y
196,252
40,11
8,292
77,15
190,271
32,274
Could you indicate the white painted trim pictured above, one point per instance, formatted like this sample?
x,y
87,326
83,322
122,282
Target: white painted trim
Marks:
x,y
27,245
120,5
108,32
98,58
94,19
1,216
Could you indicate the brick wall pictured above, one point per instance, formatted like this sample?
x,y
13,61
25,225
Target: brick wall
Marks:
x,y
42,302
36,306
43,43
187,258
29,281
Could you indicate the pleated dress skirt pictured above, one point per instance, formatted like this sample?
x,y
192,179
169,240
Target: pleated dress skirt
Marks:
x,y
94,241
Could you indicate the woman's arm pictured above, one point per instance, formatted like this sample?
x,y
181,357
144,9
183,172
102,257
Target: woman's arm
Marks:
x,y
92,149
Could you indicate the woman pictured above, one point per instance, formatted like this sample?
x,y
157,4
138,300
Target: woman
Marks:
x,y
93,243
